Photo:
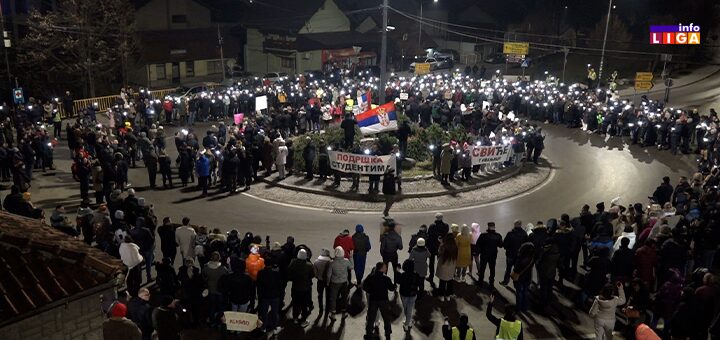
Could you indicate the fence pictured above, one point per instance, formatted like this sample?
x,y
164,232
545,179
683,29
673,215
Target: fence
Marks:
x,y
103,103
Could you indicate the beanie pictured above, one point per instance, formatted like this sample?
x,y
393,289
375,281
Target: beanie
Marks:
x,y
119,215
302,255
359,228
421,242
119,310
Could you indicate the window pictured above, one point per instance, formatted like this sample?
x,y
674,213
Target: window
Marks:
x,y
287,62
179,19
214,67
189,69
160,71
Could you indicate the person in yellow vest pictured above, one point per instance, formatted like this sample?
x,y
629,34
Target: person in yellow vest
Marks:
x,y
508,327
591,76
460,332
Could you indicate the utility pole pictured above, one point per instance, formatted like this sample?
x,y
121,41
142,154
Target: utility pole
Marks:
x,y
6,46
420,22
222,56
602,54
383,53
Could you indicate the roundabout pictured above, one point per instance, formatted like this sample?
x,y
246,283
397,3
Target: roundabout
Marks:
x,y
417,195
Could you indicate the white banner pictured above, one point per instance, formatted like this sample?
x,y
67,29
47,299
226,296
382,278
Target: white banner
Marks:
x,y
491,154
360,164
241,322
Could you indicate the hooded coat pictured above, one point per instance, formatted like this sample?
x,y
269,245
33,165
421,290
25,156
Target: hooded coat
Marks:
x,y
446,158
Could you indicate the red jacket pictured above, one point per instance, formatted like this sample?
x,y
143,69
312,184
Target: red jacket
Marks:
x,y
346,242
645,262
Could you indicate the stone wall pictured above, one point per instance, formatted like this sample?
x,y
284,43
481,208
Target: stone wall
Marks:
x,y
77,320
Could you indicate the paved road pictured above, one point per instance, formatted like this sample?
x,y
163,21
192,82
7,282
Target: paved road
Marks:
x,y
587,170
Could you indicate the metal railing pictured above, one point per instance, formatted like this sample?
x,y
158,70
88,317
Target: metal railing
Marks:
x,y
103,103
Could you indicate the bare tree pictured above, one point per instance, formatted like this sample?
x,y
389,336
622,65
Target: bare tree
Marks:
x,y
92,40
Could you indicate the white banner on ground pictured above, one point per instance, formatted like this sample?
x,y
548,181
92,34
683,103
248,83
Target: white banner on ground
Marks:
x,y
261,103
491,154
241,322
360,164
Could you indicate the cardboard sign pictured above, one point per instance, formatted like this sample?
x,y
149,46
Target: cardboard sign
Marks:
x,y
261,103
360,164
422,68
241,322
403,96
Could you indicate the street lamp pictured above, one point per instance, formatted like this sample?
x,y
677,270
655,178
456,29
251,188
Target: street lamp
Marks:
x,y
602,54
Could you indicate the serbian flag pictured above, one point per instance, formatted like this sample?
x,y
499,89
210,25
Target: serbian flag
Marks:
x,y
379,119
364,101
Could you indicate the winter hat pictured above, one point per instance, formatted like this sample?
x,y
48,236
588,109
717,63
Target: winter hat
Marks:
x,y
276,246
119,310
438,216
600,206
359,228
325,252
339,252
131,192
119,215
421,242
302,255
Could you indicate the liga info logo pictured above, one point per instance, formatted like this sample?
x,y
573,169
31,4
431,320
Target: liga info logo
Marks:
x,y
675,35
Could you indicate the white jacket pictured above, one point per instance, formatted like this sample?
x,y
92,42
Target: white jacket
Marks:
x,y
185,238
630,236
130,254
282,154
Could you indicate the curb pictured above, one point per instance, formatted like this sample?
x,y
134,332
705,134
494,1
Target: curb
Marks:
x,y
380,197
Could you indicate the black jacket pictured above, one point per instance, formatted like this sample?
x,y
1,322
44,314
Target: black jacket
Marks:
x,y
167,239
270,283
140,312
377,285
663,193
238,287
489,242
389,184
513,240
436,230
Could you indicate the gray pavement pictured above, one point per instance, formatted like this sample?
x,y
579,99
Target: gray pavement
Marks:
x,y
587,169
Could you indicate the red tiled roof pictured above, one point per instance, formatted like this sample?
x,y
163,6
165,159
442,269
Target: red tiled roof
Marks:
x,y
41,265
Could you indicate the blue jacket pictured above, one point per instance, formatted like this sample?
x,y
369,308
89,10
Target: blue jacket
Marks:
x,y
202,166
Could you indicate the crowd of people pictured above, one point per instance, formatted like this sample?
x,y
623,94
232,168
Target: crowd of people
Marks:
x,y
644,263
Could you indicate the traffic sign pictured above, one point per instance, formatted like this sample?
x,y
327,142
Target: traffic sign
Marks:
x,y
525,63
516,48
643,85
18,96
643,76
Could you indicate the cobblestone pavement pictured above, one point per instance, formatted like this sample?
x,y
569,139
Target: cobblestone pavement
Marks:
x,y
529,177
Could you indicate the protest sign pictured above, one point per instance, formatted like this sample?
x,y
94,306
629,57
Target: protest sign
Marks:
x,y
361,164
261,103
238,118
241,322
491,154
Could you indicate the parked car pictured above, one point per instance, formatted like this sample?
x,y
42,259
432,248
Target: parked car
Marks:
x,y
275,77
183,92
447,54
496,58
442,63
432,61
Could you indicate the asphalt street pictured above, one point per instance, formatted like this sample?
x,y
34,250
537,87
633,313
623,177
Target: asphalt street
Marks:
x,y
588,169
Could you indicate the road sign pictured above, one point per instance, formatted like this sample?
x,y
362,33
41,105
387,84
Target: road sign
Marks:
x,y
516,48
643,76
643,85
18,95
666,57
525,63
422,68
